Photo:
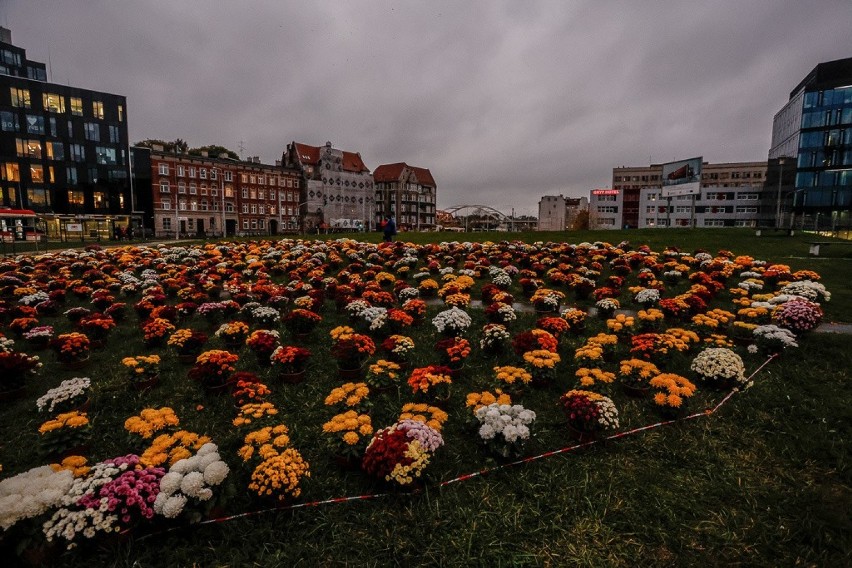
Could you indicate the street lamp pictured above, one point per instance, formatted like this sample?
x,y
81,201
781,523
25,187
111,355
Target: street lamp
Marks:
x,y
778,196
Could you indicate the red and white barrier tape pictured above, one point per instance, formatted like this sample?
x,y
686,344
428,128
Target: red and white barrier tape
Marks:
x,y
486,471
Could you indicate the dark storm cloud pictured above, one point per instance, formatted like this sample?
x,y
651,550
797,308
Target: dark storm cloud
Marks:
x,y
504,102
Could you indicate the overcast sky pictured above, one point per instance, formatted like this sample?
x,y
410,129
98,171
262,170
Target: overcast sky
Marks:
x,y
503,101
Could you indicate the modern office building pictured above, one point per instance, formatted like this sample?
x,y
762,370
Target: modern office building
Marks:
x,y
812,136
336,187
736,194
558,213
408,193
198,195
63,151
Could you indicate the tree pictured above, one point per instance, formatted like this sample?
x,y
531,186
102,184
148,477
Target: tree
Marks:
x,y
179,145
581,221
214,151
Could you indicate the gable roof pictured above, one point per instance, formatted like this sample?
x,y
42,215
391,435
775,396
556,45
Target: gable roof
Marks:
x,y
308,154
352,162
392,172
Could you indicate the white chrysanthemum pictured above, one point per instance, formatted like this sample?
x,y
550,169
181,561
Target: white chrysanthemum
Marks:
x,y
216,472
174,506
170,483
192,483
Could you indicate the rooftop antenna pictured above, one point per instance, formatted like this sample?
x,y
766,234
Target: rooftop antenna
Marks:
x,y
242,149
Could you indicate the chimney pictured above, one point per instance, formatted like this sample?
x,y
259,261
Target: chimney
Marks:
x,y
5,35
224,156
205,154
157,147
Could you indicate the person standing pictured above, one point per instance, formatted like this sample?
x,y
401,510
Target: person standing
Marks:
x,y
390,229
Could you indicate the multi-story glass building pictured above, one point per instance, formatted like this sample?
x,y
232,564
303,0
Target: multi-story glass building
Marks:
x,y
814,132
63,150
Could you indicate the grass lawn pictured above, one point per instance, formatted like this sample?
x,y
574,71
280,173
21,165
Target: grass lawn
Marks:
x,y
765,481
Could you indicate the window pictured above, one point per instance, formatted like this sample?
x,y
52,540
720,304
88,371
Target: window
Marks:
x,y
52,123
93,174
37,173
254,223
28,148
98,109
214,173
714,222
9,121
71,175
166,204
745,223
191,171
53,102
747,209
21,98
202,173
11,171
106,155
260,194
252,179
204,205
272,210
182,205
92,132
244,178
114,135
252,194
683,209
78,153
100,200
192,188
120,113
245,193
193,206
164,186
164,169
55,151
253,209
76,198
748,196
167,221
607,209
261,179
76,106
245,207
272,194
70,129
229,176
38,198
261,209
181,187
245,224
35,124
261,224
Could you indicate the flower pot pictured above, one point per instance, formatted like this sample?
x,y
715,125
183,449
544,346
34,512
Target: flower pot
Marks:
x,y
76,364
145,384
635,391
292,378
582,436
351,374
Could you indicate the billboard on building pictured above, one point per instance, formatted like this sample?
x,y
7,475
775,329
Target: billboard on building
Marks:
x,y
682,177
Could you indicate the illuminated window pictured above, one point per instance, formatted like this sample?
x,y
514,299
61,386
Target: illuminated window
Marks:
x,y
21,98
100,200
76,198
76,106
28,148
11,171
97,109
53,102
120,113
37,173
